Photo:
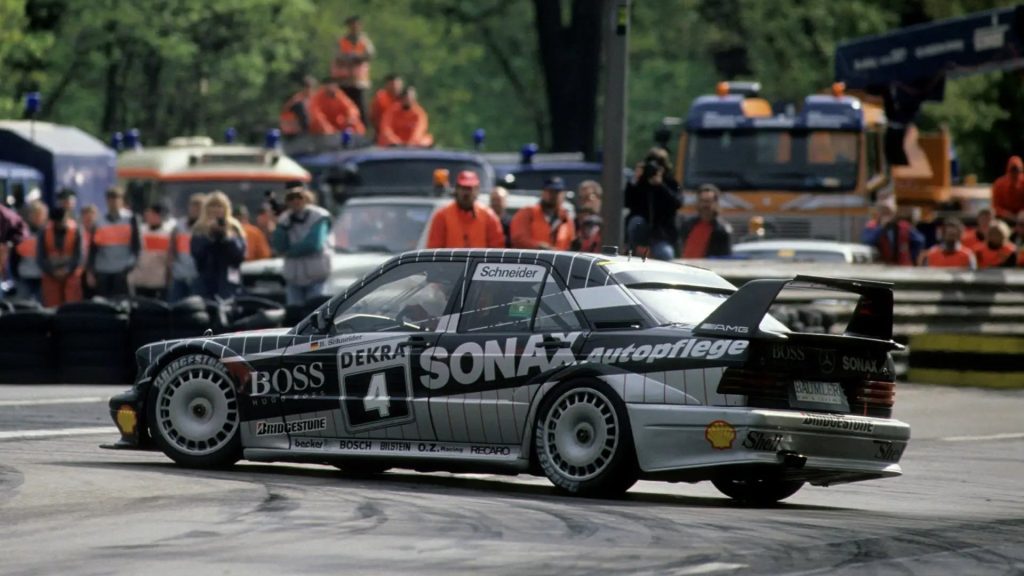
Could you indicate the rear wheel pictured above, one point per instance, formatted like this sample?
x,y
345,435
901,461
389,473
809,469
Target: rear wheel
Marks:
x,y
582,440
193,413
758,491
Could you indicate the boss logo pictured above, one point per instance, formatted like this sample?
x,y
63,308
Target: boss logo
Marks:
x,y
300,378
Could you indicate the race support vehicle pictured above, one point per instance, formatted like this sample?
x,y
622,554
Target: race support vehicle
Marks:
x,y
592,370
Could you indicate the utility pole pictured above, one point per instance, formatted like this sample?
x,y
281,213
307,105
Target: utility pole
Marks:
x,y
615,28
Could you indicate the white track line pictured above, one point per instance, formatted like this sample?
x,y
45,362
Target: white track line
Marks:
x,y
53,401
29,434
1004,436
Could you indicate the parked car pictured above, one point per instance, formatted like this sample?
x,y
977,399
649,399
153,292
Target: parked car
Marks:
x,y
592,370
796,250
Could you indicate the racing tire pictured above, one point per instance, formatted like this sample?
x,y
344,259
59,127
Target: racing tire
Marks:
x,y
582,440
757,491
193,413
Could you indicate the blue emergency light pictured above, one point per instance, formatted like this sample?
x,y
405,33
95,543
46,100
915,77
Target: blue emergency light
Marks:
x,y
117,141
527,152
133,139
346,137
32,102
478,137
273,138
230,134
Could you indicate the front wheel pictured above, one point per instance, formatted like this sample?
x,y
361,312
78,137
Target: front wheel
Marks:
x,y
582,440
193,413
757,491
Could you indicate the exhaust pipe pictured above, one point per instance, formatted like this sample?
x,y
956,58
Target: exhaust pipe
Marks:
x,y
791,459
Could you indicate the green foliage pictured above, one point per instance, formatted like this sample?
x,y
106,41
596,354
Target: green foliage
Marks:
x,y
192,66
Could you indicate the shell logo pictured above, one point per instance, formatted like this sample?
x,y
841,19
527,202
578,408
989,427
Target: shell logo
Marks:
x,y
720,434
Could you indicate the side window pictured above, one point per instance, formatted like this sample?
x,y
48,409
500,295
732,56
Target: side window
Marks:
x,y
502,298
554,312
409,298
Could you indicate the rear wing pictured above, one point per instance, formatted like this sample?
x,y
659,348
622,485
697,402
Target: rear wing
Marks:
x,y
740,315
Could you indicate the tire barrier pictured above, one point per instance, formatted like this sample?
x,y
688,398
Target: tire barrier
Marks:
x,y
27,350
965,360
93,342
252,313
191,317
295,314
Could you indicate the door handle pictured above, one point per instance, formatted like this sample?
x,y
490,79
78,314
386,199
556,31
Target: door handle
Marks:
x,y
550,343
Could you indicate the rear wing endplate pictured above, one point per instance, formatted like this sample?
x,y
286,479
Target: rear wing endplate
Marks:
x,y
740,315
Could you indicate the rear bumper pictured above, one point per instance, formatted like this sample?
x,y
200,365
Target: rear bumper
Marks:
x,y
705,442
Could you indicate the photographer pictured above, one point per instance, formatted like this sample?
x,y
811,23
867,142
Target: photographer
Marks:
x,y
302,237
652,201
218,248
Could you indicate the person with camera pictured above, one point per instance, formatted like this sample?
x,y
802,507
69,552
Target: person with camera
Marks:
x,y
302,238
653,200
465,223
705,235
183,267
218,248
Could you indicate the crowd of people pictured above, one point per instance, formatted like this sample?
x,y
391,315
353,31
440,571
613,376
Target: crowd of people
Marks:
x,y
60,255
338,104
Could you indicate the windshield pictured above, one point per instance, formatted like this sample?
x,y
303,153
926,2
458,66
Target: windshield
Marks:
x,y
772,159
790,255
672,305
389,228
401,175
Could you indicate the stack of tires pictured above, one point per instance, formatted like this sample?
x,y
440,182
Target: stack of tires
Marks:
x,y
190,318
26,344
150,322
295,314
252,313
93,342
804,318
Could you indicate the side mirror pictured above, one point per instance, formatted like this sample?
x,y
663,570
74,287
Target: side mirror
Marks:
x,y
319,320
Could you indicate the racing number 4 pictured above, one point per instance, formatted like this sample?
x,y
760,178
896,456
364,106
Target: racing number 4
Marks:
x,y
377,396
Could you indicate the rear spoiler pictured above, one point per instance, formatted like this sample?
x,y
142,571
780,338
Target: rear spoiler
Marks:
x,y
740,315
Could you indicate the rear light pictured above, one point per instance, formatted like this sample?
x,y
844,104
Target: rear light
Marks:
x,y
869,396
751,383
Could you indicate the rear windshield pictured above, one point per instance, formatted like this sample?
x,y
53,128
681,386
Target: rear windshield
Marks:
x,y
389,228
672,305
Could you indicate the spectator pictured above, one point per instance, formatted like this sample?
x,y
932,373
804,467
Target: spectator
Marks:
x,y
299,115
588,217
149,277
897,241
218,248
950,253
257,247
974,238
302,237
1008,190
335,112
997,249
545,225
351,66
499,204
405,123
266,220
464,223
652,204
1018,230
26,254
384,98
67,200
12,231
755,229
60,259
705,235
113,249
184,273
90,213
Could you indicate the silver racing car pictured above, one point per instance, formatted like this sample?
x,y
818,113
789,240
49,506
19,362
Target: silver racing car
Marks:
x,y
593,370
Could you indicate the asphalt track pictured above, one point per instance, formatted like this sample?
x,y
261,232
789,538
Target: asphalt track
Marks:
x,y
68,507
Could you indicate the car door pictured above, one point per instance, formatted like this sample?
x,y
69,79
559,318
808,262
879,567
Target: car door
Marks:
x,y
516,324
366,356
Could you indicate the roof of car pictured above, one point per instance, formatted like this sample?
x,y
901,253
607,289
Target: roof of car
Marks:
x,y
373,154
583,269
800,244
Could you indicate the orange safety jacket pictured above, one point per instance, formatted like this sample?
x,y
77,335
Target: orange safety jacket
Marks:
x,y
28,257
403,127
938,257
453,227
61,256
530,228
989,257
355,73
382,100
337,112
